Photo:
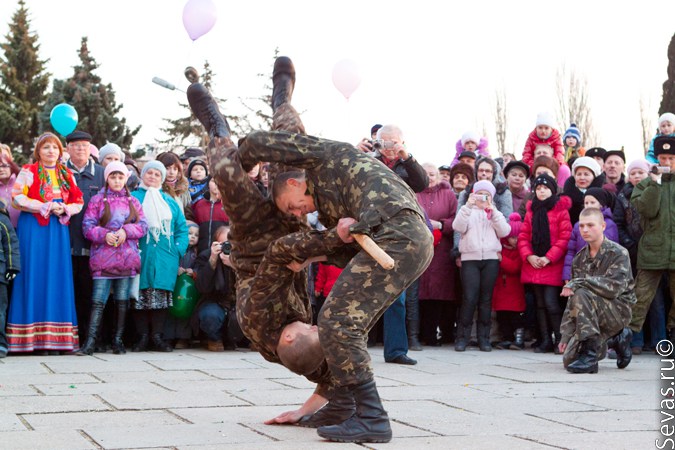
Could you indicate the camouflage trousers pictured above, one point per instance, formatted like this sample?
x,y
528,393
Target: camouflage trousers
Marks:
x,y
588,315
646,284
364,290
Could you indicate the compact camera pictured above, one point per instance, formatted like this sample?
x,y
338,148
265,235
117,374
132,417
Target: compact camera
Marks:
x,y
660,169
226,247
481,197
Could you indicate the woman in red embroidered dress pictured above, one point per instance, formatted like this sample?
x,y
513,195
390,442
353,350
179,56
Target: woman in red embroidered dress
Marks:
x,y
42,309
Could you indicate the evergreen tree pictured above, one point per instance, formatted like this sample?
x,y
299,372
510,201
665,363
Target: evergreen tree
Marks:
x,y
668,99
94,102
23,85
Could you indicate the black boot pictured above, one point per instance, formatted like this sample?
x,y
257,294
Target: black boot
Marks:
x,y
205,108
413,335
545,343
369,424
483,335
340,408
160,344
94,322
587,360
142,344
556,343
519,343
117,344
460,340
283,81
621,344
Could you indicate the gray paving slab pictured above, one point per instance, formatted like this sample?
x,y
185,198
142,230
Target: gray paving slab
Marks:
x,y
195,399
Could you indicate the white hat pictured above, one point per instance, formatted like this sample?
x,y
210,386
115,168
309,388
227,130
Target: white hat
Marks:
x,y
667,117
546,118
470,136
587,162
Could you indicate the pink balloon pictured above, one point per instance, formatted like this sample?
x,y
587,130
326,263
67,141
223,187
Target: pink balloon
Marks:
x,y
346,77
199,16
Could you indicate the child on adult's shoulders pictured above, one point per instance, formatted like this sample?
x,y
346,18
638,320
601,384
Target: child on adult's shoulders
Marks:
x,y
544,133
572,144
472,142
666,128
563,172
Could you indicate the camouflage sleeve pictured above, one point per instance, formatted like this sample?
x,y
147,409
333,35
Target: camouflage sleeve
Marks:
x,y
303,245
295,150
617,277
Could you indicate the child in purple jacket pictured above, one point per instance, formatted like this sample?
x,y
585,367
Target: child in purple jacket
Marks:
x,y
114,222
594,197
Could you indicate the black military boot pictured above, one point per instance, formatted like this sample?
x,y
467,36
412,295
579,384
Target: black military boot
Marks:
x,y
205,108
370,423
117,344
159,344
621,344
587,360
94,323
340,408
519,343
283,81
460,340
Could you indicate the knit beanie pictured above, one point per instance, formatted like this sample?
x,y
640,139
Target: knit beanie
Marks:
x,y
545,180
546,118
484,185
110,148
115,166
154,164
197,162
587,162
516,222
470,136
639,164
574,132
547,162
190,223
462,168
667,117
601,195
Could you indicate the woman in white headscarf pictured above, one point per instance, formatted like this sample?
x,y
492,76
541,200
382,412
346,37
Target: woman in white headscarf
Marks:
x,y
161,249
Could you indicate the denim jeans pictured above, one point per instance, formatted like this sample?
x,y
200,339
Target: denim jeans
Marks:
x,y
212,320
102,289
395,335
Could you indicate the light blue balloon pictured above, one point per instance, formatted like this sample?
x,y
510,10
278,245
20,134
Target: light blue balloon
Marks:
x,y
63,118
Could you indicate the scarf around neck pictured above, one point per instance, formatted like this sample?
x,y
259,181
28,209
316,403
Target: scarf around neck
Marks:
x,y
157,214
541,230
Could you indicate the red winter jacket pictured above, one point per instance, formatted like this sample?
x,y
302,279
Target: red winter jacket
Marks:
x,y
509,292
553,140
326,277
561,230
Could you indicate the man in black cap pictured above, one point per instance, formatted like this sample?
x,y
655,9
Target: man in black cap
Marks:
x,y
468,158
597,153
444,172
89,178
654,199
614,167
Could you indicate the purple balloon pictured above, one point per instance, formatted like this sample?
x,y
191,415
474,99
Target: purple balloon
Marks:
x,y
199,16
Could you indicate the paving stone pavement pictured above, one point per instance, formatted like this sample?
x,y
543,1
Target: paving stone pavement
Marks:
x,y
195,399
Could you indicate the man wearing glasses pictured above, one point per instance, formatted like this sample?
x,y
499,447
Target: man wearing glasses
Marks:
x,y
89,178
390,149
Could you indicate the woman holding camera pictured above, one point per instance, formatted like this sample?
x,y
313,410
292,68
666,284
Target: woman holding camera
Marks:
x,y
480,226
161,249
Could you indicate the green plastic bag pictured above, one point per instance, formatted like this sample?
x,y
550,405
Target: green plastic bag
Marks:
x,y
185,297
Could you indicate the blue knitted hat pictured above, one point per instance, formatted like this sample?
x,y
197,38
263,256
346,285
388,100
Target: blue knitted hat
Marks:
x,y
574,132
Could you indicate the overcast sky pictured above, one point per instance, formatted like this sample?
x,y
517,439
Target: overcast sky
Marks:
x,y
431,67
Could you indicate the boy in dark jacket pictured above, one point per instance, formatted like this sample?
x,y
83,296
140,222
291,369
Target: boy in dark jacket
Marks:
x,y
9,267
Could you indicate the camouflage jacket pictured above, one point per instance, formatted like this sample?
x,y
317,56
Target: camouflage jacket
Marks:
x,y
343,181
608,275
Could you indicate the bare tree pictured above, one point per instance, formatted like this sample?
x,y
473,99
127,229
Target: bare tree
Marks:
x,y
646,123
501,120
573,104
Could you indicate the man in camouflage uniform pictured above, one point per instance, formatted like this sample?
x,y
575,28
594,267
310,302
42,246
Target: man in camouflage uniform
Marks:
x,y
278,302
600,293
354,194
